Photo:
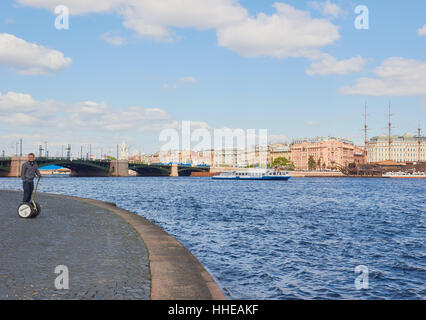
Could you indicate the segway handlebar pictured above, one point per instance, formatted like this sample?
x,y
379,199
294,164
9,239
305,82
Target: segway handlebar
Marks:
x,y
35,189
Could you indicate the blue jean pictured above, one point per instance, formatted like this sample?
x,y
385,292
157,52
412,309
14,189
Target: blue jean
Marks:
x,y
28,190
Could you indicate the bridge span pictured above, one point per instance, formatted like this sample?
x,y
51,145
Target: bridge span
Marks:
x,y
11,167
154,170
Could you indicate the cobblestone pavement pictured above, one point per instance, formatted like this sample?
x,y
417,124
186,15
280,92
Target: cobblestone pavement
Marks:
x,y
105,256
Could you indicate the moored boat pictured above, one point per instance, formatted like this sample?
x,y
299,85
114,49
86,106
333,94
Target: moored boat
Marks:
x,y
254,174
406,175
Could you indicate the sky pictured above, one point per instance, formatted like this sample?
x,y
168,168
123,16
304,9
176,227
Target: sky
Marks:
x,y
124,70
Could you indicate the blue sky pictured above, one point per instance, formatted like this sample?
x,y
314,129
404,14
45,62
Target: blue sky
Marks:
x,y
197,75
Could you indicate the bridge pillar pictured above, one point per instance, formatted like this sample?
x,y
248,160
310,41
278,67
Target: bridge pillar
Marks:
x,y
16,166
174,171
119,168
217,169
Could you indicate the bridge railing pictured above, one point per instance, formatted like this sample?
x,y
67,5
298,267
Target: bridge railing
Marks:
x,y
70,159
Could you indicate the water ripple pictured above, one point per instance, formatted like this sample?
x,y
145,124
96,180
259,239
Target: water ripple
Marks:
x,y
300,239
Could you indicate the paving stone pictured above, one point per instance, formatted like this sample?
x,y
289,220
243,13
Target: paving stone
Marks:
x,y
105,256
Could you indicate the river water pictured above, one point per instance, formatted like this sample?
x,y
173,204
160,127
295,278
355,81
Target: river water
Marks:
x,y
300,239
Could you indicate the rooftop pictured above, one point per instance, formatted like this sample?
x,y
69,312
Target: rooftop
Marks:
x,y
405,137
320,139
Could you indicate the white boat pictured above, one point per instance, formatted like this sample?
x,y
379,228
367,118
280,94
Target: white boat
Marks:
x,y
405,175
254,174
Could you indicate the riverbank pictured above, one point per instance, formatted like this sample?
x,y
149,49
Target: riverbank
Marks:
x,y
110,253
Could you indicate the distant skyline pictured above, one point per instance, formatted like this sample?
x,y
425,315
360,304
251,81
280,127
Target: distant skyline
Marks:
x,y
127,69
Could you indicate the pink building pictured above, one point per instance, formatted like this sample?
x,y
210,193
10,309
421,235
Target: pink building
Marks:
x,y
328,153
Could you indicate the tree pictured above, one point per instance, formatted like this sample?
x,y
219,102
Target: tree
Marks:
x,y
319,164
282,163
311,163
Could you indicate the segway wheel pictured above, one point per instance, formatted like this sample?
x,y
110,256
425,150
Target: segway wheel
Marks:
x,y
25,210
38,210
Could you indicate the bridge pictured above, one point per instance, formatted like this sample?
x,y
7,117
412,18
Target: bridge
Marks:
x,y
11,167
5,165
154,170
79,167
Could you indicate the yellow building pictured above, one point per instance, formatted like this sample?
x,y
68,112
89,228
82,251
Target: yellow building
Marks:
x,y
402,149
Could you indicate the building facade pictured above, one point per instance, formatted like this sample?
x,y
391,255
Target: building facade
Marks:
x,y
232,157
328,153
406,148
359,155
279,150
241,158
194,158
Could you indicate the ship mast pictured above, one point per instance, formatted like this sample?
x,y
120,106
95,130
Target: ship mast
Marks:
x,y
419,142
365,131
389,133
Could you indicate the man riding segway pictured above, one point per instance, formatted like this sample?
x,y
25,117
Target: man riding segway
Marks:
x,y
29,208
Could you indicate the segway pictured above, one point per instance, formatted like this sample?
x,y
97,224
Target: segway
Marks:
x,y
30,210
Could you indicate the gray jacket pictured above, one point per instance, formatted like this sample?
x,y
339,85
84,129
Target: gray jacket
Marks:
x,y
29,171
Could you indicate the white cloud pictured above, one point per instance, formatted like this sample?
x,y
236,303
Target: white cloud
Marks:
x,y
188,80
59,123
21,119
422,31
113,39
169,86
311,123
287,33
22,109
29,58
13,102
330,65
200,125
331,9
327,8
85,116
90,108
395,77
100,117
153,18
76,7
136,118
